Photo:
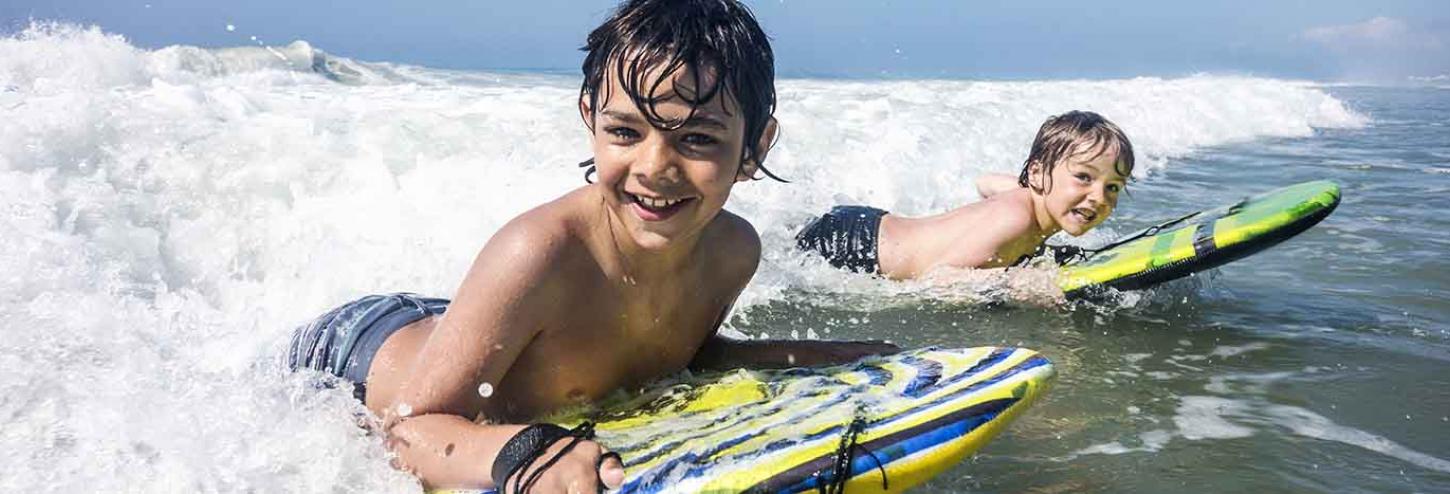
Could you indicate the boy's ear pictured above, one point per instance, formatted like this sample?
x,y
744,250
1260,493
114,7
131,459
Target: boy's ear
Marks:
x,y
1035,180
751,165
587,114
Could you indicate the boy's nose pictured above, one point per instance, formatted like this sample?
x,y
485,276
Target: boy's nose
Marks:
x,y
658,162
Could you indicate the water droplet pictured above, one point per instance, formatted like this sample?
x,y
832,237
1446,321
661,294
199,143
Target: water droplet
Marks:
x,y
404,410
790,358
231,28
795,335
485,390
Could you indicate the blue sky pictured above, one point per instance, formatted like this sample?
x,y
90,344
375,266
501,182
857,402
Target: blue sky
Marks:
x,y
1386,40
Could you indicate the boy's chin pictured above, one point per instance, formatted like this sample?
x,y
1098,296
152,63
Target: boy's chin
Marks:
x,y
1076,230
656,241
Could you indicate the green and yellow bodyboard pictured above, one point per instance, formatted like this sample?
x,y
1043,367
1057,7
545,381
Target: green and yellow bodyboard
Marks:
x,y
1199,241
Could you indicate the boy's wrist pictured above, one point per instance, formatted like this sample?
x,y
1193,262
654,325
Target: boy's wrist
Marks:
x,y
522,449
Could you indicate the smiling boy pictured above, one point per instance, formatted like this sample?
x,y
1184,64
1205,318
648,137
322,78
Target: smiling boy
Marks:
x,y
612,285
1078,165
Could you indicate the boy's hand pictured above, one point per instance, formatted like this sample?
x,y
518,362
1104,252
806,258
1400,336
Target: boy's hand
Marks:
x,y
586,468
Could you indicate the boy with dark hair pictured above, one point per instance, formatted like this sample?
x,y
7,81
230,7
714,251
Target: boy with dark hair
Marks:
x,y
612,285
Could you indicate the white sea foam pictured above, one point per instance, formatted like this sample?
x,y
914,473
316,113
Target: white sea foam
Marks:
x,y
1206,417
1309,424
170,214
1239,411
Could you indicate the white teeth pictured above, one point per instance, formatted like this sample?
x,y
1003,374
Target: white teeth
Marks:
x,y
654,203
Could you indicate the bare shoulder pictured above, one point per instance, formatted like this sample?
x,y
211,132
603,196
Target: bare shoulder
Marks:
x,y
732,243
539,234
1011,213
525,251
1010,234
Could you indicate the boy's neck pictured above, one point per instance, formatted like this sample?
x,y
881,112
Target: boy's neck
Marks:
x,y
1043,224
626,261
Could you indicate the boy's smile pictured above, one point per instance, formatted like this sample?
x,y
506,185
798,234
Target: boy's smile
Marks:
x,y
656,209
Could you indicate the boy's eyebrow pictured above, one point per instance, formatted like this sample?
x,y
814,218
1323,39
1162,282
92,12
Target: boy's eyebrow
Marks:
x,y
1115,176
619,115
700,119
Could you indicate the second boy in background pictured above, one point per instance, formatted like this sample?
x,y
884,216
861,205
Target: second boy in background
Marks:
x,y
1078,165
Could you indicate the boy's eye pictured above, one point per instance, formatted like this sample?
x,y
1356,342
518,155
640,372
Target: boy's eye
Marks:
x,y
698,139
622,132
1085,178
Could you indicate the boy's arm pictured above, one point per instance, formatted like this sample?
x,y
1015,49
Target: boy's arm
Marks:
x,y
720,353
991,184
449,451
494,315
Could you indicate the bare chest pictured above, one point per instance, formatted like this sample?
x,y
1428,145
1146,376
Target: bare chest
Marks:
x,y
610,342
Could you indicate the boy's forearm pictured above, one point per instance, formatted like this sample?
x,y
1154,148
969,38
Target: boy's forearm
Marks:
x,y
449,451
725,353
995,183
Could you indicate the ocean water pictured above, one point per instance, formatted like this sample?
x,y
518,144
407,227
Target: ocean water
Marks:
x,y
167,216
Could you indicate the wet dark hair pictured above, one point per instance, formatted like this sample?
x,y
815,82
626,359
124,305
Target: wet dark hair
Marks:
x,y
669,35
1061,136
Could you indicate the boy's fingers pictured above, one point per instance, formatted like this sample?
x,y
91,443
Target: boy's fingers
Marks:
x,y
611,470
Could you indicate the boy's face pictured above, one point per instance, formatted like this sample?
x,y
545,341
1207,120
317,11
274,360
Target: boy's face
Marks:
x,y
665,185
1084,190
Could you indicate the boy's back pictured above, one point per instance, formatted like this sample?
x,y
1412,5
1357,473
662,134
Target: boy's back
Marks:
x,y
991,233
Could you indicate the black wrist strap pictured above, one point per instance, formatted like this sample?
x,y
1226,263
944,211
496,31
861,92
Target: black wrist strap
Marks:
x,y
523,448
526,447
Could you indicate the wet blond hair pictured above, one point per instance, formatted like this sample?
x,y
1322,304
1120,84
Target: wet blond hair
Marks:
x,y
1075,132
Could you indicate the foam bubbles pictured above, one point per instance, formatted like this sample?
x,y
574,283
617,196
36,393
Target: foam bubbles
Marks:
x,y
1206,417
